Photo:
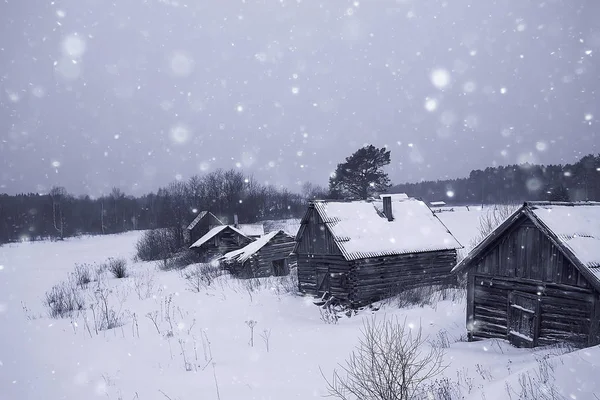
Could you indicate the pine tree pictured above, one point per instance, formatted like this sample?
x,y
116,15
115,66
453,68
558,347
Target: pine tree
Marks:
x,y
362,174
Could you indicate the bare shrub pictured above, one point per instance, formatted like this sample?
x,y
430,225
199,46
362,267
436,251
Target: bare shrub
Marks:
x,y
390,363
532,386
491,218
180,260
64,300
100,272
329,315
288,284
158,244
105,315
143,284
441,389
201,276
118,267
429,295
82,275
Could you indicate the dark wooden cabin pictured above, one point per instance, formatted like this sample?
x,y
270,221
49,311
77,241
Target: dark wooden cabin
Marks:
x,y
201,225
218,241
363,251
267,256
535,280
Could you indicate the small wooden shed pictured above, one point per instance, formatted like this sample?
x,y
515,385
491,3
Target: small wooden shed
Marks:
x,y
267,256
201,225
363,251
535,280
218,241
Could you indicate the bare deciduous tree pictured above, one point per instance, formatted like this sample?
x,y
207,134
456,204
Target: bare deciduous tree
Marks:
x,y
58,194
392,362
491,218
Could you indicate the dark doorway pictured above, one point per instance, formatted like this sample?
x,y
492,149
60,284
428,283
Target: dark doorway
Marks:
x,y
279,268
323,279
523,319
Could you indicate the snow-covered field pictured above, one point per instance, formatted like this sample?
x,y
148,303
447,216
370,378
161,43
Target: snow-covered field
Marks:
x,y
199,347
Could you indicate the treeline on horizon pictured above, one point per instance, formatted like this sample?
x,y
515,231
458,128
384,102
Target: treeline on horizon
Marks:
x,y
514,184
59,214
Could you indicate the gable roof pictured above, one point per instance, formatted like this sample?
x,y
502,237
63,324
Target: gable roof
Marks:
x,y
214,232
252,229
243,254
573,227
360,230
199,217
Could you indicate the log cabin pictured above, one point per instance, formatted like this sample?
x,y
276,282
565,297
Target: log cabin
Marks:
x,y
218,241
267,256
204,222
363,251
535,280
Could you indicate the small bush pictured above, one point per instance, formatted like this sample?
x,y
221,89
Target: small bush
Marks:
x,y
179,260
158,244
201,276
64,300
118,267
82,275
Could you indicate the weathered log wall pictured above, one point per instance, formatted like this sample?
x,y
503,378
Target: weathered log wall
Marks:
x,y
376,278
261,264
335,264
565,312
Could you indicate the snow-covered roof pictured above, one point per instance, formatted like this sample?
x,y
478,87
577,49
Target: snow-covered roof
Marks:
x,y
289,226
252,229
577,226
212,233
361,230
574,227
199,217
243,254
395,196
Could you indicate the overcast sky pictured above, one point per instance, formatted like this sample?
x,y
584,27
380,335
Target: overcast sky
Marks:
x,y
137,93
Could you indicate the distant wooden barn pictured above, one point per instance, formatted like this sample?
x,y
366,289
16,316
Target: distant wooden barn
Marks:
x,y
218,241
363,251
535,280
201,225
267,256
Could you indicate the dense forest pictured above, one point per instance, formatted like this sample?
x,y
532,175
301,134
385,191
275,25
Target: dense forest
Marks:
x,y
59,214
514,183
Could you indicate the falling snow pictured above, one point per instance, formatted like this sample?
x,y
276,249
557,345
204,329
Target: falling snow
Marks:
x,y
440,78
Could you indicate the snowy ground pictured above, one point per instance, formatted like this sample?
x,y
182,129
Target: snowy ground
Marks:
x,y
64,359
